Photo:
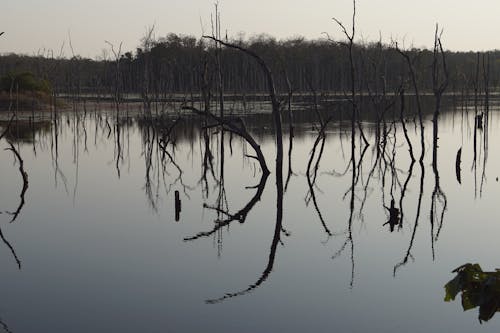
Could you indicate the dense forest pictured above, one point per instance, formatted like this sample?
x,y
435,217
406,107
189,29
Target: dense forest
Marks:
x,y
180,64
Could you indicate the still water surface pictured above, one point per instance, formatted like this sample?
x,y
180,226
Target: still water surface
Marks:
x,y
101,250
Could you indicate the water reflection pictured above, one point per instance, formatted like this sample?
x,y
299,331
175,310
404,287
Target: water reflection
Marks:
x,y
240,215
24,176
188,160
5,327
7,134
24,130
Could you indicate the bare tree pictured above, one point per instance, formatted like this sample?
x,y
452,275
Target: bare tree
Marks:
x,y
350,46
440,80
410,63
272,95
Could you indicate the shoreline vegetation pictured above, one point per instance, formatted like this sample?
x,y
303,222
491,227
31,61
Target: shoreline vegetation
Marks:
x,y
180,67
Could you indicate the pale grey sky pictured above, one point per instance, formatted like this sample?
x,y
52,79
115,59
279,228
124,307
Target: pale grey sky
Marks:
x,y
32,25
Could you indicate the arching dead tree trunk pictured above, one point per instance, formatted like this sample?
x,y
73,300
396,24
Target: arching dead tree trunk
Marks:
x,y
275,103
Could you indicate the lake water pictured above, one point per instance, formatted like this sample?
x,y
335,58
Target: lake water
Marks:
x,y
100,249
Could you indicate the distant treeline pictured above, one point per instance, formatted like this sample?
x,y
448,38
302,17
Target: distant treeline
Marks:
x,y
178,64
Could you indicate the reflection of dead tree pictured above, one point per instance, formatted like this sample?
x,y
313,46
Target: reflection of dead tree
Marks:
x,y
410,150
291,129
349,241
438,196
403,124
235,126
149,137
477,123
164,142
207,165
272,253
272,95
439,86
239,216
278,230
4,325
403,191
241,130
410,63
312,174
24,176
417,216
383,103
271,259
486,78
11,248
117,101
21,204
221,202
419,205
158,151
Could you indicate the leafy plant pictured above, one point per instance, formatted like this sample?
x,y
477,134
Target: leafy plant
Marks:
x,y
478,288
24,81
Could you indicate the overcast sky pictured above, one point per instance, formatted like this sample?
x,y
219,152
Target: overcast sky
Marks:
x,y
33,25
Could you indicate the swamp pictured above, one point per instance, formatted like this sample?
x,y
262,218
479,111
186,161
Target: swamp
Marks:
x,y
227,185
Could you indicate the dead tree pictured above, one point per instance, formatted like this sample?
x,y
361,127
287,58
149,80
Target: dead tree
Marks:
x,y
410,63
117,99
147,44
350,46
439,85
236,126
312,172
272,95
291,128
241,130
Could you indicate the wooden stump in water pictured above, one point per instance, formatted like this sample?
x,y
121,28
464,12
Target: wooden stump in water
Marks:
x,y
479,121
458,169
177,206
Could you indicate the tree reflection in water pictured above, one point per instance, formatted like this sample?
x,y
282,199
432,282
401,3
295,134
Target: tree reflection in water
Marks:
x,y
15,214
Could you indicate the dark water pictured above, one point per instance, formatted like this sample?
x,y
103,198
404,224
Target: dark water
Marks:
x,y
100,249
